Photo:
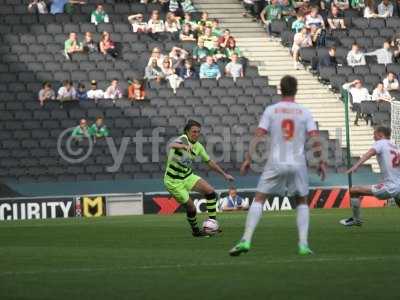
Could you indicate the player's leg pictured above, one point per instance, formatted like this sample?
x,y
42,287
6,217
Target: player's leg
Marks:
x,y
253,217
191,218
203,187
303,223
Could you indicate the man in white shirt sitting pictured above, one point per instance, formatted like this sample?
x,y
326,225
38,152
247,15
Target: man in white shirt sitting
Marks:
x,y
67,92
234,68
358,94
355,57
385,9
390,82
95,93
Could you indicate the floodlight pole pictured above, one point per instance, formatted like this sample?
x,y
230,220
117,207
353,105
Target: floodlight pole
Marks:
x,y
347,121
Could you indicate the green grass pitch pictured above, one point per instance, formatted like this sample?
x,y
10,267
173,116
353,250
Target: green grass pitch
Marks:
x,y
155,257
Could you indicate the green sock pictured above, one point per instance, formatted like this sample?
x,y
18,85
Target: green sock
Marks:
x,y
193,223
212,208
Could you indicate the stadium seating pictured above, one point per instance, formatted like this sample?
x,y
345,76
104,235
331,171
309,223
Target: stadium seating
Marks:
x,y
31,53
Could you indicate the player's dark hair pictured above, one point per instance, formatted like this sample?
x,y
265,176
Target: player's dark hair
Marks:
x,y
386,131
288,86
190,123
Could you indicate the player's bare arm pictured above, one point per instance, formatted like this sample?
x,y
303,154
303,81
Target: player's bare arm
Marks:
x,y
371,152
215,167
258,137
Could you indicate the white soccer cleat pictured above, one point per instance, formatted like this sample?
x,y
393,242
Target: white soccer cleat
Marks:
x,y
350,222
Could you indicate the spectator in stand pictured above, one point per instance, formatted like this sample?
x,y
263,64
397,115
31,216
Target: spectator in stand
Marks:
x,y
72,45
270,13
170,75
232,49
369,10
301,39
95,93
216,30
172,24
177,56
299,23
188,71
233,201
304,8
336,18
136,90
155,26
46,93
383,55
358,94
63,6
204,20
185,6
187,34
157,55
99,130
288,11
226,38
385,9
81,93
316,24
328,60
341,4
89,45
38,7
107,46
113,92
234,68
187,19
390,82
210,69
208,38
380,93
396,44
99,16
200,52
67,92
217,52
138,23
153,71
81,131
355,57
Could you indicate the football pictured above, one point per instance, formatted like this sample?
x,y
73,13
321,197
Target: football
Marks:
x,y
211,226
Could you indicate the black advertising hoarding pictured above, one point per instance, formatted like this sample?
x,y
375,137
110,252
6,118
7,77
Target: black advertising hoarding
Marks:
x,y
36,208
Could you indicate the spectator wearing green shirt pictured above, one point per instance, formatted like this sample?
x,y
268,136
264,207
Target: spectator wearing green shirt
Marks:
x,y
216,30
72,45
200,52
99,16
232,49
270,13
98,130
81,131
288,11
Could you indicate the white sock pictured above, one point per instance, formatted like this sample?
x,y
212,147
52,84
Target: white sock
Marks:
x,y
355,205
303,220
253,217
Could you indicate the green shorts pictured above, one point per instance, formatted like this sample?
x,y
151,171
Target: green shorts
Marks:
x,y
180,188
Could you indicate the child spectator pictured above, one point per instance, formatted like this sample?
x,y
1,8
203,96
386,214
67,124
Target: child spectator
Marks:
x,y
153,71
234,68
67,92
217,52
380,93
81,131
38,7
72,45
136,90
208,38
187,71
204,21
169,74
155,25
46,93
95,93
113,92
98,130
355,57
107,46
187,34
301,39
89,45
216,30
299,23
81,93
138,23
99,16
200,52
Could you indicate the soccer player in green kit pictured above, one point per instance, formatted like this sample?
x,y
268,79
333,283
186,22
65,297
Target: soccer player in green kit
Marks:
x,y
179,179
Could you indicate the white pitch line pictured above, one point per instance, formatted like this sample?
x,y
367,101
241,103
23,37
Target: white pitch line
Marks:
x,y
235,262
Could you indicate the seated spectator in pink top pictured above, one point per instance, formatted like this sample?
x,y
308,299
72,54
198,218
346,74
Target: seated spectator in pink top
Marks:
x,y
107,46
113,92
226,39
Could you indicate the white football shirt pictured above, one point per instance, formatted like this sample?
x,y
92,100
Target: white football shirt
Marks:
x,y
388,156
288,124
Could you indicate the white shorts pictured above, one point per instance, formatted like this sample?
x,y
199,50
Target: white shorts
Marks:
x,y
281,180
381,191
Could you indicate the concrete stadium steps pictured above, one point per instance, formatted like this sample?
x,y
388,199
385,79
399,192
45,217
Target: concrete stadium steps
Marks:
x,y
273,60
